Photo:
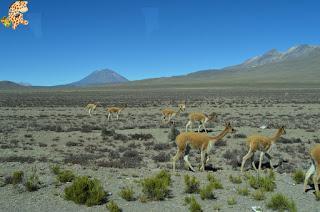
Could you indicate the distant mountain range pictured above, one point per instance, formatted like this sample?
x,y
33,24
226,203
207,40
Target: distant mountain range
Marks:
x,y
298,65
102,77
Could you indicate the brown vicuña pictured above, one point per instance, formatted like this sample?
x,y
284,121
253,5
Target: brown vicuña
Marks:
x,y
201,118
314,169
168,113
91,107
115,110
187,140
261,143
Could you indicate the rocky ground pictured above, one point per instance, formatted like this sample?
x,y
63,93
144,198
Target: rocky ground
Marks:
x,y
39,130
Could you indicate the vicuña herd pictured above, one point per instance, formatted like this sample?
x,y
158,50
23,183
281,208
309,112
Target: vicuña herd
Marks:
x,y
202,141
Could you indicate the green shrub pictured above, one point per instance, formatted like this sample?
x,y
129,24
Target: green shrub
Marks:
x,y
157,187
191,184
280,202
55,169
65,176
206,192
214,182
243,191
17,177
298,176
258,195
85,191
235,180
112,206
127,193
266,183
231,201
33,182
194,206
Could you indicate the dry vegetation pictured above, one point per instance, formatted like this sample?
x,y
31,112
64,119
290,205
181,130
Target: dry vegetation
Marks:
x,y
52,151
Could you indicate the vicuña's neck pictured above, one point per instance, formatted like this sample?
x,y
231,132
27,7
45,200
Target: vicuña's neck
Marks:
x,y
276,136
221,135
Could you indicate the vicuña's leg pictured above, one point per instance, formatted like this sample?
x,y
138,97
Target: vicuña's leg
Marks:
x,y
199,126
117,116
187,125
310,172
175,158
245,158
109,116
204,126
186,159
90,112
316,177
202,160
260,160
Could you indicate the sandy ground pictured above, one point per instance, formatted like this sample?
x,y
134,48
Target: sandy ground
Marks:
x,y
41,136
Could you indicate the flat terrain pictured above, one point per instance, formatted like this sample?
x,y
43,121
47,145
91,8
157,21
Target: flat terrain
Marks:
x,y
42,128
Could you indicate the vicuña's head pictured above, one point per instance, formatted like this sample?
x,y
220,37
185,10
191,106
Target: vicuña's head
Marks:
x,y
182,107
282,130
212,116
229,128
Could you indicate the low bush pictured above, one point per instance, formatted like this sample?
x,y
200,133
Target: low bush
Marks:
x,y
194,206
280,202
55,169
112,206
33,182
85,191
267,183
214,182
157,187
17,177
258,195
243,191
298,176
235,179
207,192
191,184
127,193
231,201
65,176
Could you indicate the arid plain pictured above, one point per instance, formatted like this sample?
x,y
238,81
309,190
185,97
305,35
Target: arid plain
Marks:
x,y
42,128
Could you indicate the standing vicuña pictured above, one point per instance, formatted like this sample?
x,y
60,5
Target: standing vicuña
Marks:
x,y
314,168
187,140
91,107
116,110
263,144
168,113
201,118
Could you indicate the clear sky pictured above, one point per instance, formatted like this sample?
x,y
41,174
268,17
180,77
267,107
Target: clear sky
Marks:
x,y
68,39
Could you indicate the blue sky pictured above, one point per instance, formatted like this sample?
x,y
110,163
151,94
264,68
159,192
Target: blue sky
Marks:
x,y
66,40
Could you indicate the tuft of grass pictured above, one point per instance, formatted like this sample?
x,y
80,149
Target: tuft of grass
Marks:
x,y
298,176
258,195
267,183
216,184
85,191
157,187
231,201
206,192
127,193
191,184
243,191
66,176
280,202
235,179
17,177
112,206
55,169
33,182
194,206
